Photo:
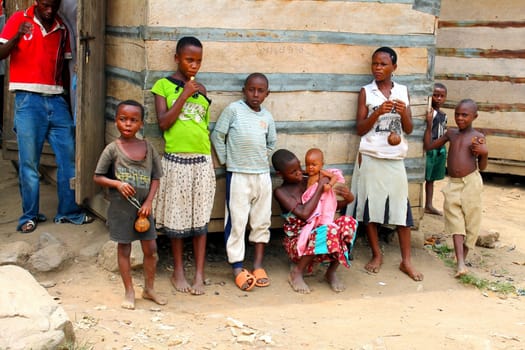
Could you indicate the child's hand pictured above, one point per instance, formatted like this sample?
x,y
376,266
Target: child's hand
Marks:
x,y
191,87
327,187
386,107
399,106
126,189
344,192
479,146
145,210
429,118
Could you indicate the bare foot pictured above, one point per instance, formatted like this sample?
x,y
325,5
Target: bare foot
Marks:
x,y
180,284
197,288
334,282
152,295
411,272
297,283
433,211
462,270
374,265
129,301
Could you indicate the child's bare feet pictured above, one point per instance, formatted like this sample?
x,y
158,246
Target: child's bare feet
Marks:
x,y
374,265
129,300
152,295
433,211
178,281
197,288
334,282
410,271
297,282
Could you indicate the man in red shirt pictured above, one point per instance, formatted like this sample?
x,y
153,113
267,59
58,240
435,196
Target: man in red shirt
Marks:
x,y
37,42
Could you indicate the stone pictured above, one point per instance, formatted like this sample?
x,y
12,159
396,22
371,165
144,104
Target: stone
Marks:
x,y
49,258
15,253
107,257
487,239
29,317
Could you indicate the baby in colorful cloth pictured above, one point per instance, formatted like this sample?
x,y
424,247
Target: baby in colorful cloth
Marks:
x,y
325,211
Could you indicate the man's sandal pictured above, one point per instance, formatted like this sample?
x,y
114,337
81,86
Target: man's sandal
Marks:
x,y
261,278
28,227
245,280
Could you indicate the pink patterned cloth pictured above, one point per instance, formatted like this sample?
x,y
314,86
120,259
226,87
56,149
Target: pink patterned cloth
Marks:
x,y
323,214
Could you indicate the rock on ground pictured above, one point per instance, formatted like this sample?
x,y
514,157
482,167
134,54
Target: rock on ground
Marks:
x,y
29,317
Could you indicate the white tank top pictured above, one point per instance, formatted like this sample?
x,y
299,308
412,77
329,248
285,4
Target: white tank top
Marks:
x,y
375,142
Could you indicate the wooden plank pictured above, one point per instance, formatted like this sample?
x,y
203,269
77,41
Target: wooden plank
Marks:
x,y
278,58
292,15
508,148
126,53
485,91
482,10
481,37
506,167
123,90
131,13
494,120
500,66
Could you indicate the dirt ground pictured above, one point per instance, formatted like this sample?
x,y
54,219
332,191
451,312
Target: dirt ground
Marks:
x,y
376,311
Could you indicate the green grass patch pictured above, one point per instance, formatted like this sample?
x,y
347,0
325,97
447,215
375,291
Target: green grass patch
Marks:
x,y
446,254
482,283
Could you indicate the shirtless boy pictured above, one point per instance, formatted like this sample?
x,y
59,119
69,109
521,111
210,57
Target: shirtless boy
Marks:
x,y
468,153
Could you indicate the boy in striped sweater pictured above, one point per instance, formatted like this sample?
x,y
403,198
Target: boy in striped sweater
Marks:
x,y
243,138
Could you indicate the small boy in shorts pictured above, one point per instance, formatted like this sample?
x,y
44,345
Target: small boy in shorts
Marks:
x,y
436,158
468,153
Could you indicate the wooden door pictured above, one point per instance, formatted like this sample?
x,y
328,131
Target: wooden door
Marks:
x,y
91,95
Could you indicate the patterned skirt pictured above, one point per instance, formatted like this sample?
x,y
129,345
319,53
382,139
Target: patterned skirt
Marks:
x,y
184,200
328,243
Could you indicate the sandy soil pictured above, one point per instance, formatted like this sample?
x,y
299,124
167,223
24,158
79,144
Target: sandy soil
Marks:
x,y
376,311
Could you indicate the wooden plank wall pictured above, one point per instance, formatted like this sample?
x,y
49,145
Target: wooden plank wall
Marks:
x,y
481,55
316,55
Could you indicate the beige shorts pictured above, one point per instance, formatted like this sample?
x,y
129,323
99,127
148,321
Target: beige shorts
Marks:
x,y
462,207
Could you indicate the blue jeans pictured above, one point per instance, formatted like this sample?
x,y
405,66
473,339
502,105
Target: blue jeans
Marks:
x,y
37,118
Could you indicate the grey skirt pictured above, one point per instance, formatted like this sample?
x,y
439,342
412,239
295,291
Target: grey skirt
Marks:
x,y
380,187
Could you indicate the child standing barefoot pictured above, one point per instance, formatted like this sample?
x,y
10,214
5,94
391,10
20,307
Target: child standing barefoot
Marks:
x,y
326,243
436,158
243,138
468,153
131,168
185,199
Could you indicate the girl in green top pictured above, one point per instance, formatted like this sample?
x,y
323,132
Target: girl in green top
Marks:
x,y
185,198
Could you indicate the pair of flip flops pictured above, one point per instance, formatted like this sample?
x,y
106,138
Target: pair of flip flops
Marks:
x,y
246,280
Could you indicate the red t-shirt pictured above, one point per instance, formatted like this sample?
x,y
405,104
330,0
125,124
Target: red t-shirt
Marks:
x,y
37,61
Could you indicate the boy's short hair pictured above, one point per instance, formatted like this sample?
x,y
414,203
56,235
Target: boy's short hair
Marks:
x,y
440,86
389,51
132,103
469,101
187,41
256,75
281,157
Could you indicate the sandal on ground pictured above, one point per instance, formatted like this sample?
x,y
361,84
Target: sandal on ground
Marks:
x,y
28,227
261,278
245,280
88,219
